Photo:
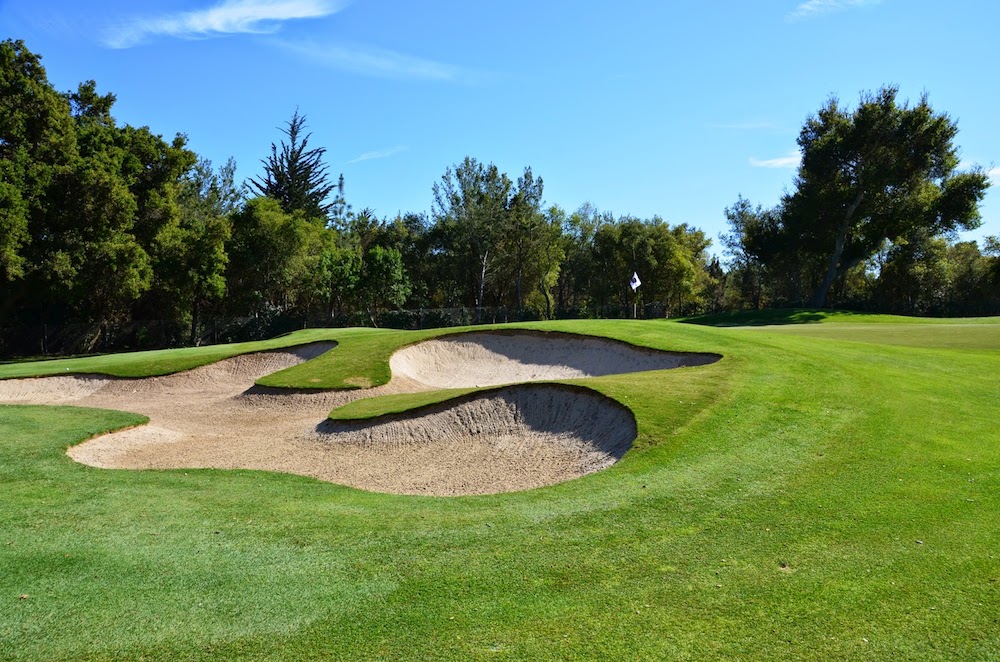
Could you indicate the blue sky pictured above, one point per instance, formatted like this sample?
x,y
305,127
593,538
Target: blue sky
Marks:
x,y
639,107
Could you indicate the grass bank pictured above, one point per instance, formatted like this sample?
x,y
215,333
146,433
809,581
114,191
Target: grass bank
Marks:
x,y
804,498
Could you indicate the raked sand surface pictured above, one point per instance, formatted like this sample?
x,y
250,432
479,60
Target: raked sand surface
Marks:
x,y
513,438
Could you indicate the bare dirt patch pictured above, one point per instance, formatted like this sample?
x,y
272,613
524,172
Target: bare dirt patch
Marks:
x,y
502,440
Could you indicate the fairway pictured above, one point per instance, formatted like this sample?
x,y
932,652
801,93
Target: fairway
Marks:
x,y
951,336
825,491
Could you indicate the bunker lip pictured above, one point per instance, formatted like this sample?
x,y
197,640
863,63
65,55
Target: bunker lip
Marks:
x,y
304,352
504,439
496,440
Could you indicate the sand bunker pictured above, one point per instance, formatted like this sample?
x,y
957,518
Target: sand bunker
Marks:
x,y
507,439
513,438
498,357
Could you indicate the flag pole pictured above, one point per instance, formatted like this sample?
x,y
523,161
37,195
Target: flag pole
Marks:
x,y
634,284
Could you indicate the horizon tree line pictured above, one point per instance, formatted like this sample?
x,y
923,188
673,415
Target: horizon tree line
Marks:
x,y
108,224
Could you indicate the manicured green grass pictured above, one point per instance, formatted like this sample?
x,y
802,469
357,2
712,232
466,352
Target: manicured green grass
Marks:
x,y
161,361
952,336
804,498
774,316
395,404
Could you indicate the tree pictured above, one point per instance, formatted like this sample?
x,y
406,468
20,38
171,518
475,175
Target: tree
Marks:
x,y
749,245
551,254
297,178
526,227
383,281
190,260
121,204
262,250
578,271
37,143
410,235
470,206
876,174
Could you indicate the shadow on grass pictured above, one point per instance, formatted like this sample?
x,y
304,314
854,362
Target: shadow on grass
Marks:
x,y
767,317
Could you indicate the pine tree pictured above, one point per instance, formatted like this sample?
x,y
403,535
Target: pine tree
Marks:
x,y
296,176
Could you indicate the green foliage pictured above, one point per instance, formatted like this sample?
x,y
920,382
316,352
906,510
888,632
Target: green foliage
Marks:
x,y
882,172
103,224
750,248
263,250
671,262
383,282
191,257
296,176
882,175
83,201
37,141
471,205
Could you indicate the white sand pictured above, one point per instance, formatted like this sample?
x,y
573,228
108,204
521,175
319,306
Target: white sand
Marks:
x,y
487,359
514,438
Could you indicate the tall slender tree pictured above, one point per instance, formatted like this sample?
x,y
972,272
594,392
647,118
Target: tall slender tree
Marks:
x,y
297,177
470,206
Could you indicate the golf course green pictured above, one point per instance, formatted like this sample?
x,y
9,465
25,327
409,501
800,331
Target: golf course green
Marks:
x,y
830,489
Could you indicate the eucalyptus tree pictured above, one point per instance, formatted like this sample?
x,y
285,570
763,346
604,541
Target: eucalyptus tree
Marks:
x,y
526,232
573,288
471,204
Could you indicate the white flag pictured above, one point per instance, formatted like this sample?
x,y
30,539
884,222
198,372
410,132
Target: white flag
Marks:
x,y
635,282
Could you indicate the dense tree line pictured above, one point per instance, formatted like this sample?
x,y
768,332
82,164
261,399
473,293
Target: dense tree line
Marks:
x,y
109,224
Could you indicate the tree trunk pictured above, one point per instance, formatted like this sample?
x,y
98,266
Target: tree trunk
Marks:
x,y
194,324
482,283
548,299
819,297
758,276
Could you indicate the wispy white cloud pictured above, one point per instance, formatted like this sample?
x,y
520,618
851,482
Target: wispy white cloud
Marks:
x,y
380,154
225,18
815,8
790,161
994,174
377,62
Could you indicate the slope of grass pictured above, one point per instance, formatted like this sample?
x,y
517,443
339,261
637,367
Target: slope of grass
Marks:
x,y
161,361
804,498
362,356
981,335
775,316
